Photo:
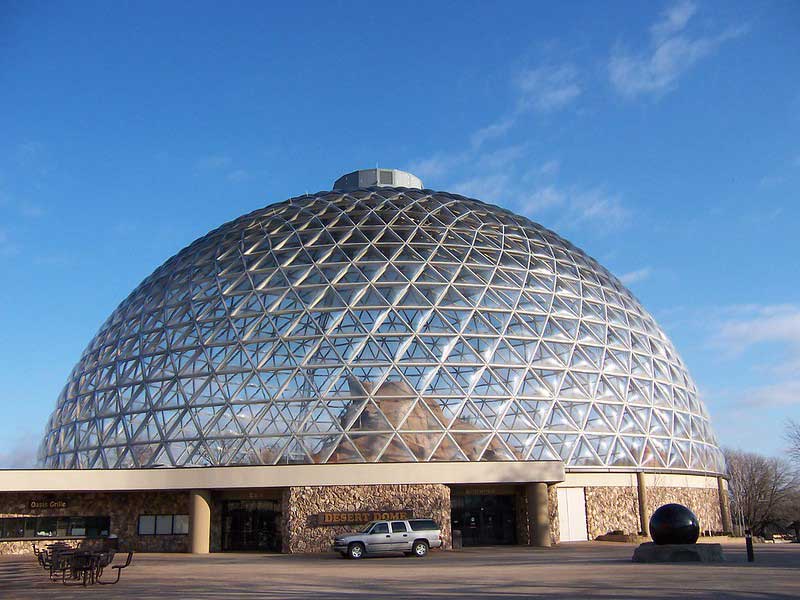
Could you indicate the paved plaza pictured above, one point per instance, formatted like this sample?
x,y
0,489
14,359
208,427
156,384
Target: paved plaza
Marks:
x,y
596,570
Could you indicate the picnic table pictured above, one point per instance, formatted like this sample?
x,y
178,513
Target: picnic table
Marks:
x,y
76,566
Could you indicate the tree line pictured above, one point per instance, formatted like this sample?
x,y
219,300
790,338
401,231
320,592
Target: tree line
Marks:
x,y
765,491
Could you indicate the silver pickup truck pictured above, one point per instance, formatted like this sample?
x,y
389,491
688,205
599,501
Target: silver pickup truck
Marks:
x,y
412,537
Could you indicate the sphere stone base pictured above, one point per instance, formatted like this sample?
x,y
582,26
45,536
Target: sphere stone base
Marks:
x,y
667,553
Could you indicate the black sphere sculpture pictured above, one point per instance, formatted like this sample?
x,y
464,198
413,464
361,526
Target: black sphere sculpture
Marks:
x,y
674,524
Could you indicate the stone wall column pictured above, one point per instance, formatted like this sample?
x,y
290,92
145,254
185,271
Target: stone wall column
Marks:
x,y
644,518
724,505
538,514
200,521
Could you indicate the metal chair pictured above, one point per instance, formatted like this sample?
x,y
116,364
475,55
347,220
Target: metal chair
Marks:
x,y
105,559
59,563
83,567
119,570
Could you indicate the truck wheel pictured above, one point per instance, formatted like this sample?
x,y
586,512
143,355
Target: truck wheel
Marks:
x,y
420,548
355,551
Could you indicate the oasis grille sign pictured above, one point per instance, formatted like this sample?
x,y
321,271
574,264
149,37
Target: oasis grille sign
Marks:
x,y
328,519
38,503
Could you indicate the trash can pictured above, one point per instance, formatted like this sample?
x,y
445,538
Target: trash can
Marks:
x,y
456,539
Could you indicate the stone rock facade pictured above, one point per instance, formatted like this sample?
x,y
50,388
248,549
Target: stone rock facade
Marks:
x,y
611,509
552,502
25,547
616,508
300,504
608,508
123,508
703,502
523,528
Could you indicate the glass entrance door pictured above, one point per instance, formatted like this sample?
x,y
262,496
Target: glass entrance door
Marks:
x,y
251,525
484,520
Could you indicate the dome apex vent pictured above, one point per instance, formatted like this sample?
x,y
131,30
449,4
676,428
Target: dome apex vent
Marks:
x,y
364,178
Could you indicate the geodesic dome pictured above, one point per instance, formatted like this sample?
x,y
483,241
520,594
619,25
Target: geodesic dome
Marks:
x,y
380,325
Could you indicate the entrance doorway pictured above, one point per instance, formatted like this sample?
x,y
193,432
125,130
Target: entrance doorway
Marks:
x,y
251,525
484,520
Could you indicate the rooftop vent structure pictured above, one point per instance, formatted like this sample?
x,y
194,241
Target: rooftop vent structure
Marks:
x,y
377,178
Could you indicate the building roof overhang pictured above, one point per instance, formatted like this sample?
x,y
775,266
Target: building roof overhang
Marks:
x,y
239,477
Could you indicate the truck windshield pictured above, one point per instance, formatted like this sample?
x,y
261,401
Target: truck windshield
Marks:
x,y
367,527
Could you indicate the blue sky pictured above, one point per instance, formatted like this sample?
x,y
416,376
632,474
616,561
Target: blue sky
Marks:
x,y
662,138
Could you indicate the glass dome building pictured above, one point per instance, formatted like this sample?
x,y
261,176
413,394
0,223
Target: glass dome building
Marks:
x,y
376,323
379,351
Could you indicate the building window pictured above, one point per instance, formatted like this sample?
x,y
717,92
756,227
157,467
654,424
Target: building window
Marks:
x,y
22,528
147,524
163,524
180,525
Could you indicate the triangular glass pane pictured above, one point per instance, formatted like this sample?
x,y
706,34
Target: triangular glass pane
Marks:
x,y
421,418
370,419
541,450
397,451
559,419
618,456
584,454
470,417
370,445
472,444
537,410
497,450
516,418
562,444
448,451
345,452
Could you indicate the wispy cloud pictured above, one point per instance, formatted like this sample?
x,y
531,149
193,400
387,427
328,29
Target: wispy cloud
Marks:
x,y
30,152
782,393
673,20
551,167
635,276
238,175
547,88
501,159
511,175
600,207
671,52
763,342
570,206
543,198
752,325
495,187
542,88
491,132
439,164
222,164
31,211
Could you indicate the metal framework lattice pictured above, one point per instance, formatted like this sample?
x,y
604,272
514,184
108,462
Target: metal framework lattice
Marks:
x,y
383,324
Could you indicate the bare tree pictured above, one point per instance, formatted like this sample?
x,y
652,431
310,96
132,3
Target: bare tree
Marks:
x,y
762,488
793,437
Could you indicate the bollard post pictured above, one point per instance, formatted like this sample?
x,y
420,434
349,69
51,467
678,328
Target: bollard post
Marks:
x,y
748,540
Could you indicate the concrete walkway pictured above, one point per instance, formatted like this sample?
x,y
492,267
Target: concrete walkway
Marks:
x,y
579,570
